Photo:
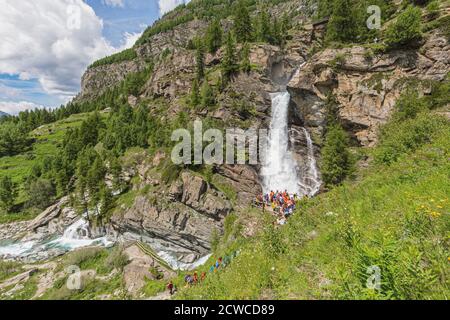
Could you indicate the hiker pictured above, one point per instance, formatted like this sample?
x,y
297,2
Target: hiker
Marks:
x,y
195,279
170,288
203,276
188,279
212,269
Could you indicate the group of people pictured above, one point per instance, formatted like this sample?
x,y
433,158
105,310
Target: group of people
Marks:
x,y
194,279
280,203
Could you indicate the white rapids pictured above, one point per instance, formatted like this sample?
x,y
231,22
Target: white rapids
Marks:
x,y
74,237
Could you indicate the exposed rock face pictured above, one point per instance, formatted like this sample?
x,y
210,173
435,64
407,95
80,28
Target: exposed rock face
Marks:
x,y
365,86
181,222
138,270
53,220
96,80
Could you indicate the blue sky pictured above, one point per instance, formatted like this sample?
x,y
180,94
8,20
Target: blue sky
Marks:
x,y
42,58
131,18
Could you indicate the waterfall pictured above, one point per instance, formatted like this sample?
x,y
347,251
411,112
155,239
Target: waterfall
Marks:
x,y
313,185
279,170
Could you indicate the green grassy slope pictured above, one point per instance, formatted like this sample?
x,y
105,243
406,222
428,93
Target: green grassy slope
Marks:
x,y
395,218
48,140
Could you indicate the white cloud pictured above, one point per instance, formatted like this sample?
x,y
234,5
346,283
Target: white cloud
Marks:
x,y
14,108
114,3
129,39
39,41
168,5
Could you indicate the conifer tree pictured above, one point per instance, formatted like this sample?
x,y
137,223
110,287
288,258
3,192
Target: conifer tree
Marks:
x,y
263,31
229,62
200,61
213,36
337,162
343,22
208,98
8,193
242,23
195,96
245,58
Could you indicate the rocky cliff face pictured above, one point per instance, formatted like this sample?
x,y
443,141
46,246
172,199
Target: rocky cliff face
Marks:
x,y
365,85
180,217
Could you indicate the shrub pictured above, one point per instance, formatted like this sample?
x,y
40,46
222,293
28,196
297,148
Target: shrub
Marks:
x,y
41,193
398,138
406,29
408,106
433,9
117,259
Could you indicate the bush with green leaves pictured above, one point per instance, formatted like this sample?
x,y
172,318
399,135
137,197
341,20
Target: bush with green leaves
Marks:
x,y
398,138
41,193
406,29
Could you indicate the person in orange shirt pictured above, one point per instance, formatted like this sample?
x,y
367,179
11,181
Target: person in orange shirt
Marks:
x,y
195,277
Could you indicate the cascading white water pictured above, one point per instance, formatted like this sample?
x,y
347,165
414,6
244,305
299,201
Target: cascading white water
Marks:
x,y
77,236
74,237
313,174
279,171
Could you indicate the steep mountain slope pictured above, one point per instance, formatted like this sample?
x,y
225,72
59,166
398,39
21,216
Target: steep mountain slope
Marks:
x,y
389,215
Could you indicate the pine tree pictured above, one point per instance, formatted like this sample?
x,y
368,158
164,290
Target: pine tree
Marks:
x,y
8,193
208,98
343,22
200,60
276,37
213,36
229,62
337,162
245,58
242,23
263,31
406,29
195,96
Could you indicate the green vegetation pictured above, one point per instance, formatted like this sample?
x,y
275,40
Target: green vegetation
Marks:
x,y
342,26
242,23
337,161
126,55
8,193
213,37
406,29
229,62
392,220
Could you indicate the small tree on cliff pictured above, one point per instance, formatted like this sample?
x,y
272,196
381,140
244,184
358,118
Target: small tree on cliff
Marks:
x,y
245,58
207,95
200,60
195,97
342,26
229,62
213,36
406,29
242,23
337,161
